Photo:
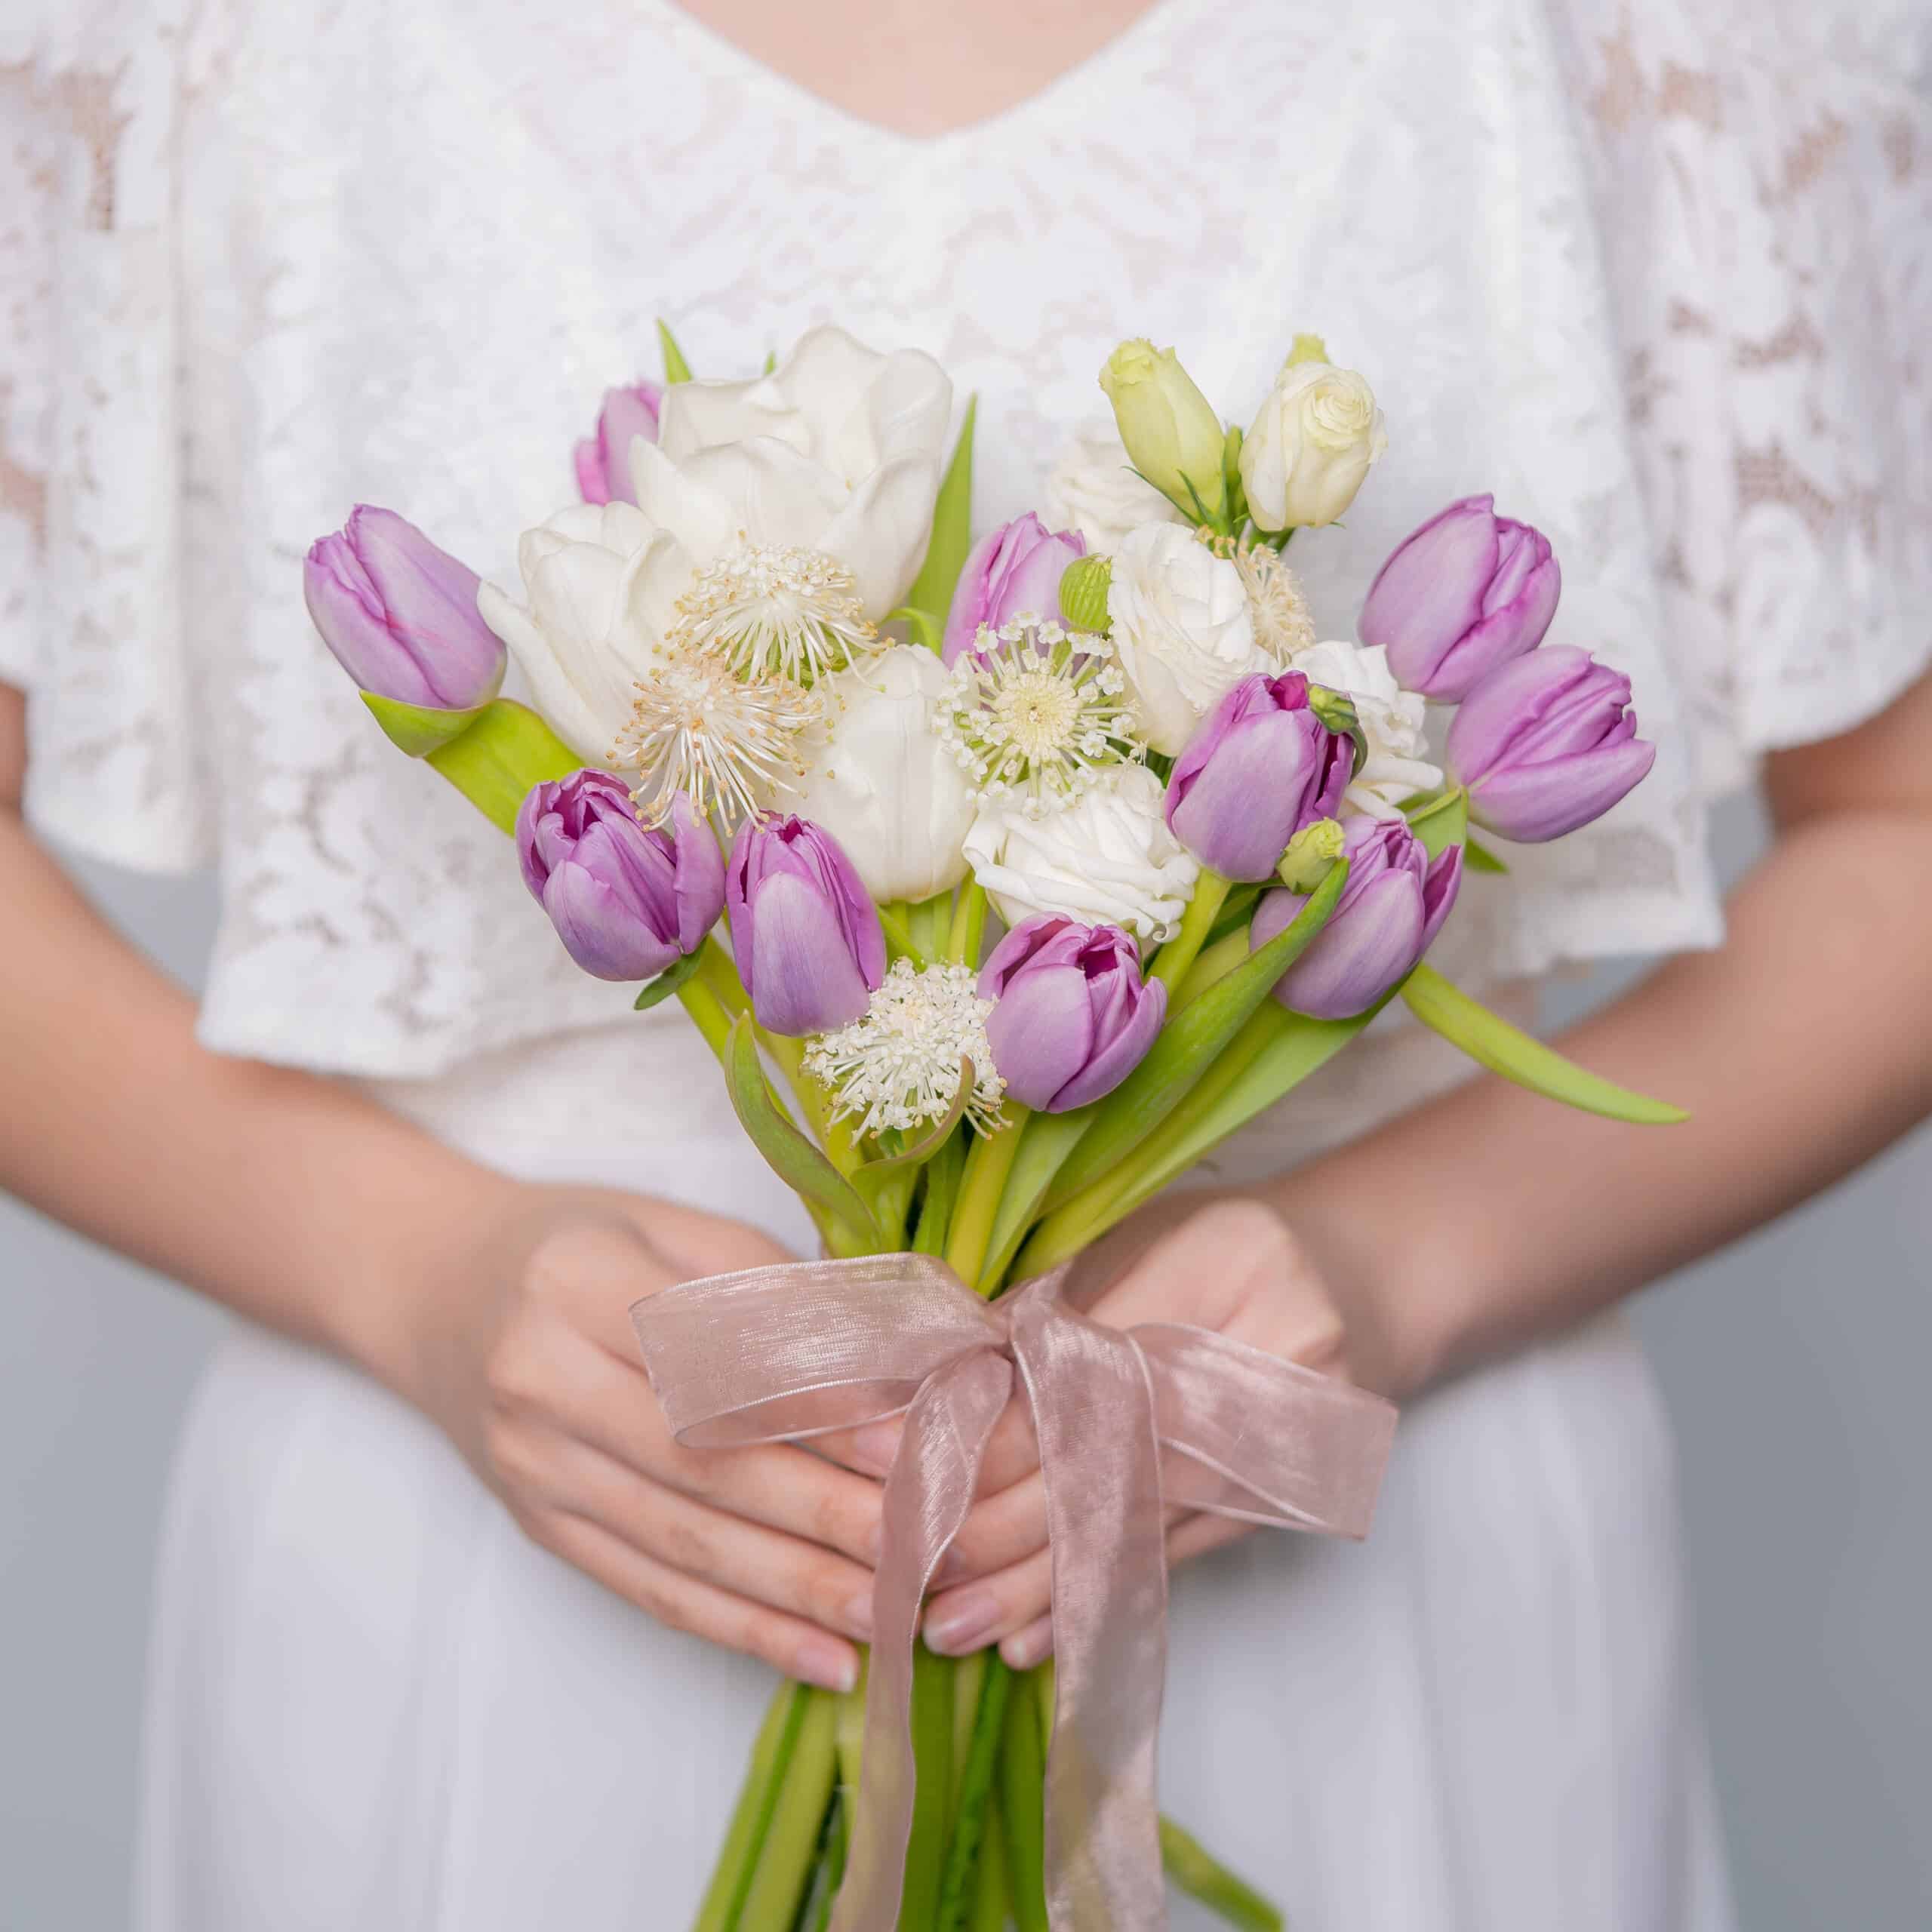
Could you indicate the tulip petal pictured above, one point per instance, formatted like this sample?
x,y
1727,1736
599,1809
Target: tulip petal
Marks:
x,y
701,516
1533,804
599,930
1372,942
907,411
1125,1041
564,707
1042,1031
777,496
1430,591
880,533
698,885
807,980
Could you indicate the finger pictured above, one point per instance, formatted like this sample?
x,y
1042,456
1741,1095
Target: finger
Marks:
x,y
1191,1536
582,1392
782,1572
788,1644
1013,1449
1000,1530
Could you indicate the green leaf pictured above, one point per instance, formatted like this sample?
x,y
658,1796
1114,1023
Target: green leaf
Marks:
x,y
495,762
923,1150
770,360
417,729
1186,1046
1442,822
926,628
667,982
953,526
1479,858
676,369
1043,1147
792,1156
1492,1042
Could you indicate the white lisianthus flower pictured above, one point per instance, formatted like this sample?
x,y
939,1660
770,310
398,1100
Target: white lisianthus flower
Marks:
x,y
1181,627
880,780
578,638
1311,447
1392,719
1108,858
1092,489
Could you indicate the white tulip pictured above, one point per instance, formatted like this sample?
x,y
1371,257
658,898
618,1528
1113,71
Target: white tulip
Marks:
x,y
1182,629
1108,858
1393,721
1092,489
578,640
881,782
1313,443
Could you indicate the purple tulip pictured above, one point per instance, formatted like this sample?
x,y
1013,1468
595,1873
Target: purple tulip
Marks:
x,y
1547,743
1389,912
627,902
1073,1017
1017,568
401,615
1467,591
809,947
604,460
1259,766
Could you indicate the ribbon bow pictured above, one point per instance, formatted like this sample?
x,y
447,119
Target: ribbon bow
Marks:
x,y
1128,1421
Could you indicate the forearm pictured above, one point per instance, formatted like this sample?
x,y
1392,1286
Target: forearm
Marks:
x,y
1490,1216
283,1195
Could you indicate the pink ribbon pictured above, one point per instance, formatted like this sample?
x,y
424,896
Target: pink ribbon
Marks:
x,y
1130,1423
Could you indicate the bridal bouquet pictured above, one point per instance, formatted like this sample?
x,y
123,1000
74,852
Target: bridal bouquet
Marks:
x,y
1005,877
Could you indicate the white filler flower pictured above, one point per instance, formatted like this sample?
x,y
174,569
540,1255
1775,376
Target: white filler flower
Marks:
x,y
1092,488
898,1067
774,610
1393,721
1108,858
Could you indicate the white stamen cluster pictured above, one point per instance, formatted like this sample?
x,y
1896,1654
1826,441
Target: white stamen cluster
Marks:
x,y
698,727
1035,712
898,1067
775,610
1283,623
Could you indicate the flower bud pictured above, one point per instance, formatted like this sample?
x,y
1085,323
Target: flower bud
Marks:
x,y
1083,594
1072,1016
1317,436
1389,912
1310,855
1467,591
1172,435
401,615
1545,743
625,902
1013,569
809,946
604,460
1261,768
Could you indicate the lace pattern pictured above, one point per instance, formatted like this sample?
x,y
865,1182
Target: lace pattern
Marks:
x,y
1658,275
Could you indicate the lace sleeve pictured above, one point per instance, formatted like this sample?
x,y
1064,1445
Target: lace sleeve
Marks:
x,y
1764,175
90,618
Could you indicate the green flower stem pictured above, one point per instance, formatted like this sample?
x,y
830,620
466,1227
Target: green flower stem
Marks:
x,y
495,762
1089,1214
796,1827
895,919
969,925
988,1913
744,1838
1214,962
975,1789
834,1861
931,923
1196,1872
719,971
969,1683
710,1018
933,1705
1171,962
987,1166
1022,1807
943,1173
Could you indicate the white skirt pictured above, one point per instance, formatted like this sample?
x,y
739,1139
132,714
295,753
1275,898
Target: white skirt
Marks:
x,y
373,1704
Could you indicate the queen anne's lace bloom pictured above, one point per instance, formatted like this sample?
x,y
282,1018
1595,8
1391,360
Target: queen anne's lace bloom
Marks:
x,y
1035,713
898,1067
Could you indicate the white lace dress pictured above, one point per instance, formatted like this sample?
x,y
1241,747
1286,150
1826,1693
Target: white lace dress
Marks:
x,y
1656,272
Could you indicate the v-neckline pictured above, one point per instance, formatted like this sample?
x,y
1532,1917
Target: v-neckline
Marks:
x,y
730,56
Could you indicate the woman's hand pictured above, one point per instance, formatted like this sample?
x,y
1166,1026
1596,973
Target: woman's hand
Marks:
x,y
1232,1265
526,1359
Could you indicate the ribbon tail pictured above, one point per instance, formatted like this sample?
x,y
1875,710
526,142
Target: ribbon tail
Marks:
x,y
1093,1407
928,1494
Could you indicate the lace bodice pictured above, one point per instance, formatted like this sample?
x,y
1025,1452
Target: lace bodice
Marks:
x,y
1660,275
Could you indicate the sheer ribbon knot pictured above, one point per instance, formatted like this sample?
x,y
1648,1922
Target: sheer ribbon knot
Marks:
x,y
1130,1423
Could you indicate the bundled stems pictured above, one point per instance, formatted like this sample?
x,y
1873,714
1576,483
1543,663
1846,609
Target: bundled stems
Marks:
x,y
987,1166
1171,962
744,1839
781,1878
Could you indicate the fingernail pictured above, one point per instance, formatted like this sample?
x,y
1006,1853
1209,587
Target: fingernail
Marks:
x,y
964,1626
1025,1648
952,1568
859,1615
872,1447
826,1662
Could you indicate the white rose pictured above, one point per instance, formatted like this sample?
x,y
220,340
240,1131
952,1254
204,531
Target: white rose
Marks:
x,y
1092,489
1313,443
1392,719
881,782
578,640
1182,629
1108,858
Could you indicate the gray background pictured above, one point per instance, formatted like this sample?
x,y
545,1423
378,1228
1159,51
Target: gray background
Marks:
x,y
1795,1366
